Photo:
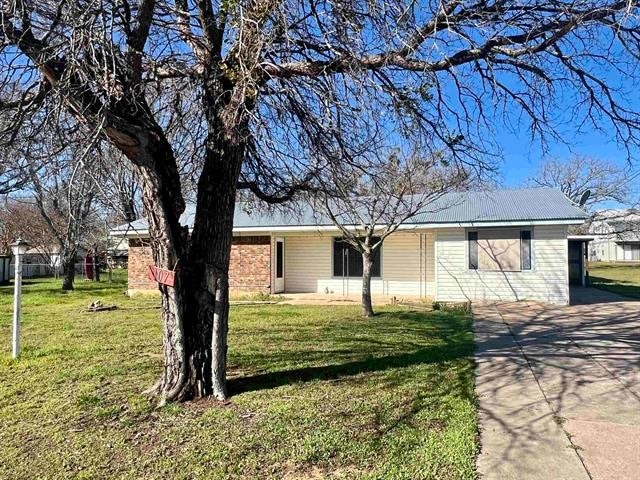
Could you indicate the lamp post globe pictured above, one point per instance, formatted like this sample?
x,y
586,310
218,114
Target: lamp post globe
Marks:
x,y
19,247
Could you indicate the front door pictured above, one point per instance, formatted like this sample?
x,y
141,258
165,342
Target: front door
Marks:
x,y
279,266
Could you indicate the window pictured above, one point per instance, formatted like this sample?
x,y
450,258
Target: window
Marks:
x,y
525,249
347,261
279,259
500,249
473,250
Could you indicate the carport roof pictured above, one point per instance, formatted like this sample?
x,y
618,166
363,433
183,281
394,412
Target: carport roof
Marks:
x,y
472,208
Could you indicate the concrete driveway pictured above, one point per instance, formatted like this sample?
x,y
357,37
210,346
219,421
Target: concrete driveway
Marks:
x,y
559,388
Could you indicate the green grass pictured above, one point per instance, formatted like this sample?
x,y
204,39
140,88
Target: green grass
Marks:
x,y
620,278
318,393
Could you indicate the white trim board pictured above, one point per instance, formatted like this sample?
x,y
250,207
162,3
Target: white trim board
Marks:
x,y
331,228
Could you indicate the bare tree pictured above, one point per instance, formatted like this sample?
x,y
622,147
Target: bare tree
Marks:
x,y
369,204
21,219
275,83
64,194
116,186
604,179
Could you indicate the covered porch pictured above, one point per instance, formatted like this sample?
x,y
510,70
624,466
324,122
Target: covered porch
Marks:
x,y
578,255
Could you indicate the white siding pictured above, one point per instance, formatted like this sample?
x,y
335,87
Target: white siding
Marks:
x,y
430,262
445,275
547,281
307,260
405,270
605,249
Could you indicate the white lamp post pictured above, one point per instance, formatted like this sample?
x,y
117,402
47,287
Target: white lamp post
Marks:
x,y
19,248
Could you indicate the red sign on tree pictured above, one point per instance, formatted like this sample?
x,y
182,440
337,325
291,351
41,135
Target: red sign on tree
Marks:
x,y
161,275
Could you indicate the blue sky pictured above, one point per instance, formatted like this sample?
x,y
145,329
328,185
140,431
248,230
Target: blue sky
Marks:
x,y
568,111
522,157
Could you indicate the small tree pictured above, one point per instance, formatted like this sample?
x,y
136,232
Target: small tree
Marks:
x,y
369,205
64,194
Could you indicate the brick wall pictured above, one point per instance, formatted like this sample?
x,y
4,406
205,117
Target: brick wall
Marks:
x,y
249,271
250,266
139,258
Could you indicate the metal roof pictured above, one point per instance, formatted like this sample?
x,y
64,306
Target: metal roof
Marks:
x,y
503,205
472,207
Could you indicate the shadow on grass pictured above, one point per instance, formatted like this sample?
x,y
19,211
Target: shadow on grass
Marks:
x,y
53,287
458,348
621,287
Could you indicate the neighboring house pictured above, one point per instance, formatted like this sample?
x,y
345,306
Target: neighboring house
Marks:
x,y
37,262
499,245
117,252
616,236
40,261
45,261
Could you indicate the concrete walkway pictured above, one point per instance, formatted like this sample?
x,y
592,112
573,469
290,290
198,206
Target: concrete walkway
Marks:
x,y
559,389
352,299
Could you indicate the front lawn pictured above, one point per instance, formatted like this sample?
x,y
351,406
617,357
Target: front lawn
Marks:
x,y
318,393
621,278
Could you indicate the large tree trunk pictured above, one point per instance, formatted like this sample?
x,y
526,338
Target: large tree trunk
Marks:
x,y
210,247
209,256
367,265
68,268
169,242
196,309
159,179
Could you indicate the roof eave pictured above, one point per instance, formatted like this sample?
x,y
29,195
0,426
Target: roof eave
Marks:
x,y
141,233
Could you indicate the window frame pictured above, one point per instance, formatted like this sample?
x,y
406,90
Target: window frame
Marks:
x,y
532,249
373,277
